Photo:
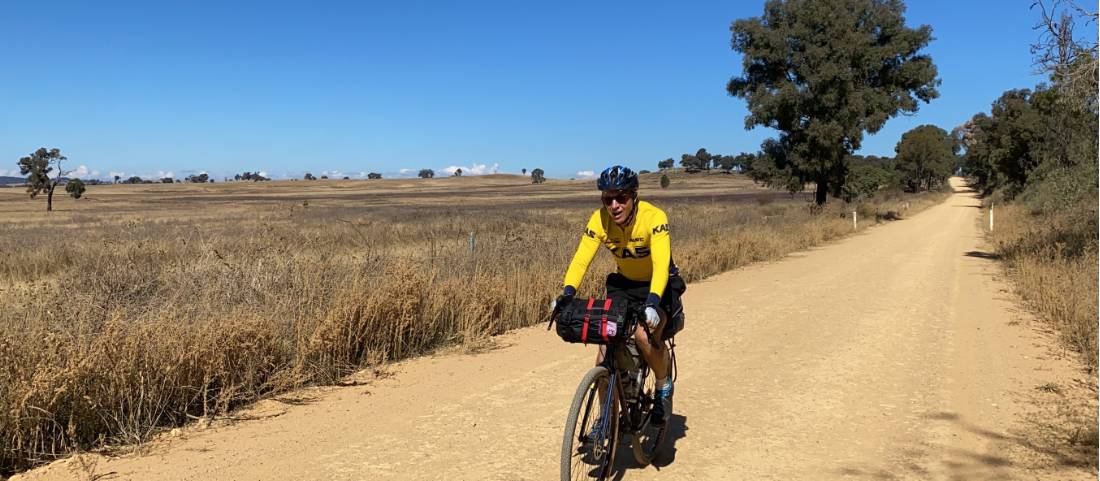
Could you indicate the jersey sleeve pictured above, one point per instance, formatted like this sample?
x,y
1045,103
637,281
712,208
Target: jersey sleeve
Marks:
x,y
660,244
586,250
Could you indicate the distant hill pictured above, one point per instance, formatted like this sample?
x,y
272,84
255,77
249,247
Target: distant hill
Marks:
x,y
11,180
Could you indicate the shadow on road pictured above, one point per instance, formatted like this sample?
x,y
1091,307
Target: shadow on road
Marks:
x,y
624,457
1050,447
983,255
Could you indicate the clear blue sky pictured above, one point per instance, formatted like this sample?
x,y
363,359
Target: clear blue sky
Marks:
x,y
150,87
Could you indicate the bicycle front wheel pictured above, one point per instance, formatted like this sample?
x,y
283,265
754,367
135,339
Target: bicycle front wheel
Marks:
x,y
591,429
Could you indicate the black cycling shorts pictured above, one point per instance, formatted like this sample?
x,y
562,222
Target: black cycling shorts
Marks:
x,y
621,288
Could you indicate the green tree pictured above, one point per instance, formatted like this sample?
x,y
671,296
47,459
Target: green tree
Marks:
x,y
866,176
664,181
823,73
75,188
666,164
458,173
426,173
692,163
37,167
374,175
309,176
1002,150
925,157
538,176
704,158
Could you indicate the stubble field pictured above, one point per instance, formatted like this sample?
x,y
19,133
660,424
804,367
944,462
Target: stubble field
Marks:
x,y
142,307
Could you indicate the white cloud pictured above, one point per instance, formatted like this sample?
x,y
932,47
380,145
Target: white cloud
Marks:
x,y
5,172
95,173
264,174
80,171
112,174
476,169
586,174
335,174
162,174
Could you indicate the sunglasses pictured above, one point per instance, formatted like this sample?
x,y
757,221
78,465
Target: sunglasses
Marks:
x,y
621,198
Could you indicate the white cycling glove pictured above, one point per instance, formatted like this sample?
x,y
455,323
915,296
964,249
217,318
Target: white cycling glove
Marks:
x,y
651,317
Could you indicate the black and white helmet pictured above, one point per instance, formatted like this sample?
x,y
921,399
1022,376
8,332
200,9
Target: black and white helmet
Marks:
x,y
618,177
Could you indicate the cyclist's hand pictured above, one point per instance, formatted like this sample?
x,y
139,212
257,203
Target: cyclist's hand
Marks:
x,y
651,317
563,300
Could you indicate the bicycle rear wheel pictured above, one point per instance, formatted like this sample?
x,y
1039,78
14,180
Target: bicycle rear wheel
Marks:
x,y
591,429
647,441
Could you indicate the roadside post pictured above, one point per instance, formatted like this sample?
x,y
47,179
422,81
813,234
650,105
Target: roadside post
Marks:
x,y
854,222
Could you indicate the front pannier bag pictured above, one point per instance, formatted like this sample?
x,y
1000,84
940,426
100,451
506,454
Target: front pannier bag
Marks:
x,y
596,321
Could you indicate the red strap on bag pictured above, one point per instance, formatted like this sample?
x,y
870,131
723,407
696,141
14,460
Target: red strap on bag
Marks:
x,y
587,315
603,321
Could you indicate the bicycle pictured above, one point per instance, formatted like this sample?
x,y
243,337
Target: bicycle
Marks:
x,y
623,395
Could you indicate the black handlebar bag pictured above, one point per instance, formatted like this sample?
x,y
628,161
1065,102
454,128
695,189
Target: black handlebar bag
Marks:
x,y
594,321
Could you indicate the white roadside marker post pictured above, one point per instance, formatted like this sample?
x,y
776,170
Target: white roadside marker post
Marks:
x,y
990,217
472,242
854,224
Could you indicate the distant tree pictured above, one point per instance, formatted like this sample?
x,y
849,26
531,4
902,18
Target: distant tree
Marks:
x,y
75,188
458,173
198,179
537,176
309,176
347,178
664,181
166,180
253,176
704,158
324,177
426,173
823,73
691,163
37,168
524,170
374,175
133,180
925,157
723,162
117,179
866,176
742,162
666,164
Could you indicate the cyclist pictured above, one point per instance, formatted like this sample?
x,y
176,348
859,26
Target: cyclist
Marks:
x,y
637,234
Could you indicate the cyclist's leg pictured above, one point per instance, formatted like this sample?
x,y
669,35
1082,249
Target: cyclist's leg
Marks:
x,y
655,356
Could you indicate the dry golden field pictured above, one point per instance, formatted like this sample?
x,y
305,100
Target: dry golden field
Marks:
x,y
144,306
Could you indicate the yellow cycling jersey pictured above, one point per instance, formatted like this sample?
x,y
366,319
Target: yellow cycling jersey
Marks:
x,y
642,249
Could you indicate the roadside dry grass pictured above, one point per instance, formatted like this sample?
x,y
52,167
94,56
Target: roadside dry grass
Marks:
x,y
144,307
1052,260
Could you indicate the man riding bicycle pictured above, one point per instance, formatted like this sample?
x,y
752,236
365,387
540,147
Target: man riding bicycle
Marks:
x,y
637,234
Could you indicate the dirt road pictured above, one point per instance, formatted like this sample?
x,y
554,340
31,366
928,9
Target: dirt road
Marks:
x,y
894,354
